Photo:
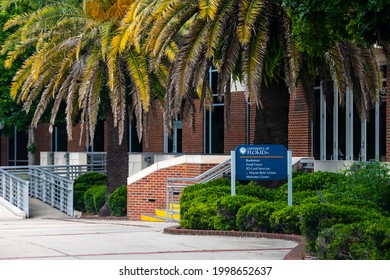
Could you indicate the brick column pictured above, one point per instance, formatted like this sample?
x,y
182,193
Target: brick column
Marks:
x,y
236,133
193,138
154,131
74,144
299,125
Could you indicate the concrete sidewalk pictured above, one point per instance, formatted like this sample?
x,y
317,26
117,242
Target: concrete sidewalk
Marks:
x,y
72,238
50,234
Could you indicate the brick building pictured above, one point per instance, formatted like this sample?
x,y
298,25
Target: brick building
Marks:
x,y
335,132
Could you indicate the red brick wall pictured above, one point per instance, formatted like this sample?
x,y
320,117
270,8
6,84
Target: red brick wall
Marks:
x,y
154,132
74,144
153,186
299,126
236,133
43,140
193,138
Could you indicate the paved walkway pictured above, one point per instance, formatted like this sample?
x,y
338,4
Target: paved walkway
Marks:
x,y
49,234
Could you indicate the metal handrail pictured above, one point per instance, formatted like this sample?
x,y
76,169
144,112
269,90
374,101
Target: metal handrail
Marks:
x,y
15,190
68,171
53,189
176,185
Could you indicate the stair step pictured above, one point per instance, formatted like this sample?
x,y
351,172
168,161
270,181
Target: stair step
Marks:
x,y
176,206
163,213
152,218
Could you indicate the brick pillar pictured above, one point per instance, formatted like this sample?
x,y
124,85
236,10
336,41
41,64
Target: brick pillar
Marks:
x,y
299,125
236,133
43,140
74,144
193,137
153,136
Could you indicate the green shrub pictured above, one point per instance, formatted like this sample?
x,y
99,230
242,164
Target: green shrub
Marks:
x,y
256,216
82,184
316,217
208,194
286,220
254,190
199,216
368,240
190,192
78,197
117,201
227,208
91,179
94,199
367,181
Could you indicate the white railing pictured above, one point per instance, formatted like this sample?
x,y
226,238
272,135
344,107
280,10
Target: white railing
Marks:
x,y
14,190
175,186
71,172
96,158
52,189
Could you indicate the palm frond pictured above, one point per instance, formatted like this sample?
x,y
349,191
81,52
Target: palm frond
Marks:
x,y
254,53
137,65
248,15
208,9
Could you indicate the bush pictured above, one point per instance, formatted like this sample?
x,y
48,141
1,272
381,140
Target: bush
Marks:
x,y
117,201
91,179
256,216
82,184
367,181
227,208
254,190
199,216
94,199
190,192
208,194
286,220
369,240
316,217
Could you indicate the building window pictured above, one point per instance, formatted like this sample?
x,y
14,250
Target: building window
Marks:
x,y
59,138
17,148
214,120
339,133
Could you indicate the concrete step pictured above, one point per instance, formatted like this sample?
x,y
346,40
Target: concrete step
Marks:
x,y
163,213
152,218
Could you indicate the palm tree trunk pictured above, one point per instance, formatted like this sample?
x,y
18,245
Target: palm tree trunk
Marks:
x,y
271,122
117,160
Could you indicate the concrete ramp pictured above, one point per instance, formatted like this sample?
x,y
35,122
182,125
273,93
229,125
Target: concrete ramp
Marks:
x,y
8,211
41,210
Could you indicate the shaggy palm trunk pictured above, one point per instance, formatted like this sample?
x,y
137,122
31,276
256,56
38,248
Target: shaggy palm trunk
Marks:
x,y
271,123
117,160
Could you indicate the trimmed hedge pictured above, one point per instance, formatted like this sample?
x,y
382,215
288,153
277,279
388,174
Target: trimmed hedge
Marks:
x,y
227,208
342,216
94,199
316,217
358,241
117,201
82,184
256,216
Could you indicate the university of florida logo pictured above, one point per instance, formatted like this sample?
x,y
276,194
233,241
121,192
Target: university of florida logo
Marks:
x,y
242,150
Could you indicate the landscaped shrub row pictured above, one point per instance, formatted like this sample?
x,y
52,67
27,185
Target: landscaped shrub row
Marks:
x,y
89,193
333,211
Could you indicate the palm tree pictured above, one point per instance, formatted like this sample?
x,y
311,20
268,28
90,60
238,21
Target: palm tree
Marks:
x,y
75,62
248,41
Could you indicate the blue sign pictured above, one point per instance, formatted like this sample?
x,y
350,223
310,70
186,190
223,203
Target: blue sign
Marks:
x,y
261,162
